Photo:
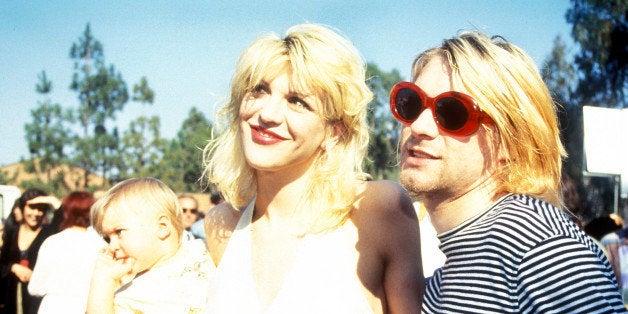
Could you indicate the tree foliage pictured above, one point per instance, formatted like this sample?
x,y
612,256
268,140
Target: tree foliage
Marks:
x,y
560,76
48,134
381,160
182,165
102,93
142,148
600,27
595,76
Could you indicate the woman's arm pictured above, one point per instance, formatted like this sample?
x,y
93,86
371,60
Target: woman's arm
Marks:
x,y
394,226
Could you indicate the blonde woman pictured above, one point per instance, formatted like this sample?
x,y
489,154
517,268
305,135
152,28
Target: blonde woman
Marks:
x,y
302,230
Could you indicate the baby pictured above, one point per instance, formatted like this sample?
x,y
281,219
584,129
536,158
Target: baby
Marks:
x,y
141,220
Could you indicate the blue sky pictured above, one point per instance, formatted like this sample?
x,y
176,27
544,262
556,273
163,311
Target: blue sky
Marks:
x,y
188,49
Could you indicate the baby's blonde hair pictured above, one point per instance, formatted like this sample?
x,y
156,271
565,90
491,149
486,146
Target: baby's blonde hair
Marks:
x,y
142,196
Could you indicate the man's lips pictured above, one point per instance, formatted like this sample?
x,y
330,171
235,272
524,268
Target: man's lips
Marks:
x,y
417,157
419,153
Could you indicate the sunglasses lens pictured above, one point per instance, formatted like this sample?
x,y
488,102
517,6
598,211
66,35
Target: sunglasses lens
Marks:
x,y
451,113
408,104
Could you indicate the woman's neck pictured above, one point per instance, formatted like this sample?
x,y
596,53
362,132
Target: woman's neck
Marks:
x,y
278,195
26,236
28,228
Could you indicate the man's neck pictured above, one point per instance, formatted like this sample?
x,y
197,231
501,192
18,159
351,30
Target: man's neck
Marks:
x,y
447,213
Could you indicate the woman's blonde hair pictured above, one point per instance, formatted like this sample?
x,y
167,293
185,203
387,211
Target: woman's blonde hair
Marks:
x,y
505,83
142,196
322,62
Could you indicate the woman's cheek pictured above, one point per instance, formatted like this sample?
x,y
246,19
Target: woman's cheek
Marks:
x,y
249,106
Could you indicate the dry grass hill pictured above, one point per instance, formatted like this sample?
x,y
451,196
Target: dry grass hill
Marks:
x,y
73,178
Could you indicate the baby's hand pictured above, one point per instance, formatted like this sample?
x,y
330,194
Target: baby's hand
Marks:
x,y
109,267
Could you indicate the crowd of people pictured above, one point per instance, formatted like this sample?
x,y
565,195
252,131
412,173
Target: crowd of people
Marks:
x,y
477,224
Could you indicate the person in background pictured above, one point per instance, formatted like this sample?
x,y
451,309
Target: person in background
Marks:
x,y
141,220
480,146
615,246
13,220
600,226
301,229
198,228
19,251
189,206
66,259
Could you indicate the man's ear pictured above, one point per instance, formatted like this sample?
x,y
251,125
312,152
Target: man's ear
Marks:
x,y
164,227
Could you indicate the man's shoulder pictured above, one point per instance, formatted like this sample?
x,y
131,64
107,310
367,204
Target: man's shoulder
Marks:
x,y
533,218
526,205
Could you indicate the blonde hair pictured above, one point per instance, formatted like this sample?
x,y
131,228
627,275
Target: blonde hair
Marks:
x,y
326,64
141,196
505,83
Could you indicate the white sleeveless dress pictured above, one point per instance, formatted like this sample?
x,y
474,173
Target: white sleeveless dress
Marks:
x,y
323,278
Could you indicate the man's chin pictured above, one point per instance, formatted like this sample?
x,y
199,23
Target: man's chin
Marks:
x,y
410,180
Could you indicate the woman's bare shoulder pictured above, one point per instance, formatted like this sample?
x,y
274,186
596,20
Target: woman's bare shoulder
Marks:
x,y
384,197
386,211
220,222
221,218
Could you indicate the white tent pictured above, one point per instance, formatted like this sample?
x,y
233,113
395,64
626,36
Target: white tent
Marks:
x,y
606,142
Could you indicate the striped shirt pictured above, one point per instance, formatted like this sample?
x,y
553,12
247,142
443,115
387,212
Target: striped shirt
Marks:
x,y
522,255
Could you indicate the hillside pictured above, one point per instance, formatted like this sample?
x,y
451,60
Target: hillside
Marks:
x,y
73,177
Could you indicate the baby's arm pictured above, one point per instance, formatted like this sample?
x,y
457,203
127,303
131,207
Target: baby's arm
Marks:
x,y
106,278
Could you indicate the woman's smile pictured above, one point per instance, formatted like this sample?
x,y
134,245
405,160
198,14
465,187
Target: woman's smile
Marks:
x,y
264,136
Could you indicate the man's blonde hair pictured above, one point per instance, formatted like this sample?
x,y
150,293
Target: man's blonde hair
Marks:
x,y
505,83
142,196
319,61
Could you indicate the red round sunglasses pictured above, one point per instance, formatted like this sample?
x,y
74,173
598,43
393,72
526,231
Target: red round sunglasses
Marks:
x,y
454,112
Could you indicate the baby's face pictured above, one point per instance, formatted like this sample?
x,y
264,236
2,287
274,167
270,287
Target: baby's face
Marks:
x,y
130,234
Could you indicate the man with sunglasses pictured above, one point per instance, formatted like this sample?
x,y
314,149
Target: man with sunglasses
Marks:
x,y
480,146
189,205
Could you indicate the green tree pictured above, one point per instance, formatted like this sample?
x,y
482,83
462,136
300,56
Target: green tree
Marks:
x,y
102,93
142,148
381,162
560,76
6,178
142,92
47,135
600,28
182,165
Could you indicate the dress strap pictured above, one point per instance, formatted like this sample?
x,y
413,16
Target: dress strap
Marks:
x,y
247,216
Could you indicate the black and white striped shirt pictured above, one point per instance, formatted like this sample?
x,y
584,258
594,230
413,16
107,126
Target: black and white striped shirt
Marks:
x,y
522,255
